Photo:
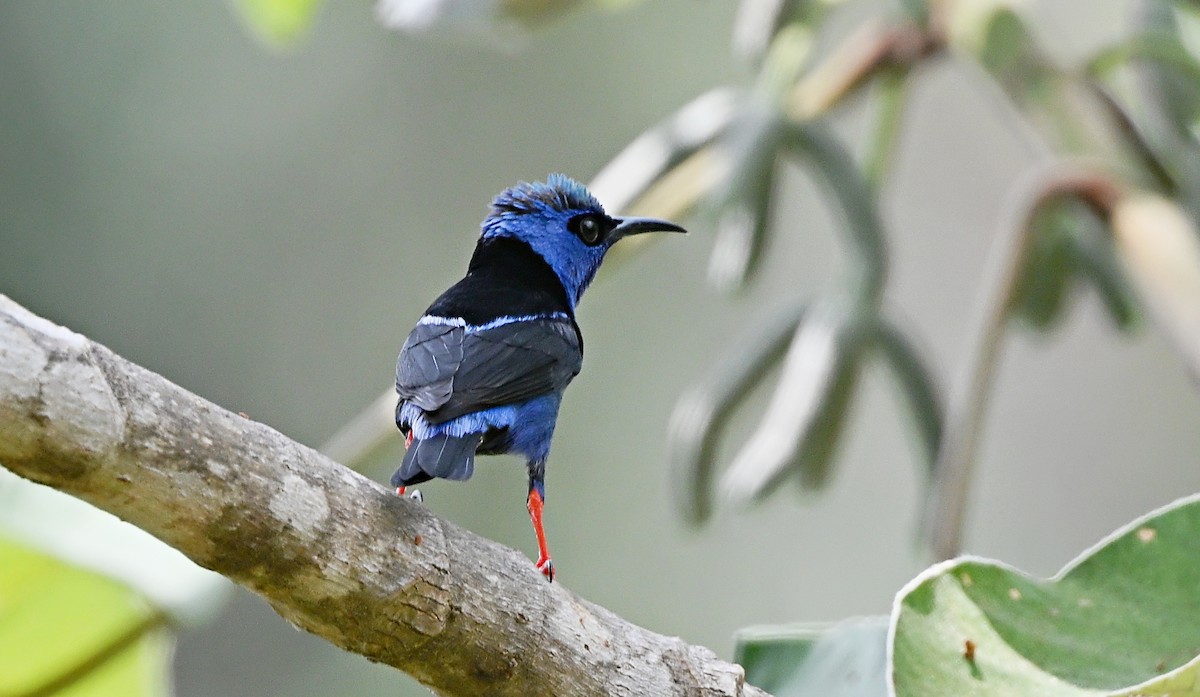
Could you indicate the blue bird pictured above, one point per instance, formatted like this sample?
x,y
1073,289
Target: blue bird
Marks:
x,y
484,370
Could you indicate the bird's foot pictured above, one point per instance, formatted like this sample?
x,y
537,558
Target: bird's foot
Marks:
x,y
546,566
415,494
535,503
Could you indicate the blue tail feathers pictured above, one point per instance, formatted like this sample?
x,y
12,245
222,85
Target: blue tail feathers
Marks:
x,y
442,456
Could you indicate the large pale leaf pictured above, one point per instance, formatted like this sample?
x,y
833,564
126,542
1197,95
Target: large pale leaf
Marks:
x,y
73,633
1122,619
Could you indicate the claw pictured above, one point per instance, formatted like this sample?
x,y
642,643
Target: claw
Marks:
x,y
546,566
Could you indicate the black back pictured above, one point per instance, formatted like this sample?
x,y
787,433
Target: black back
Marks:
x,y
505,279
448,371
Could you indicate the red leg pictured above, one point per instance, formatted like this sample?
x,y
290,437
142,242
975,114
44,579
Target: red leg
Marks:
x,y
535,504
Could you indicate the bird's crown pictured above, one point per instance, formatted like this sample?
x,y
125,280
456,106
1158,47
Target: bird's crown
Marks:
x,y
559,194
561,221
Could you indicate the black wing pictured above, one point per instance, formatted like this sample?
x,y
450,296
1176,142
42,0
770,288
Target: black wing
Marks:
x,y
450,370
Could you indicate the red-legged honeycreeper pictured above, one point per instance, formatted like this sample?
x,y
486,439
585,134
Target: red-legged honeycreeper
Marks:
x,y
484,370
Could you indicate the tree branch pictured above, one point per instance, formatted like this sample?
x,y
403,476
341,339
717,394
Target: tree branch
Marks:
x,y
332,551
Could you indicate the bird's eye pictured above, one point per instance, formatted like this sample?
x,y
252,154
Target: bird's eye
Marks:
x,y
588,227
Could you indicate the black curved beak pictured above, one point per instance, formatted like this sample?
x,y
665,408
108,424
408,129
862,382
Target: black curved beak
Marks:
x,y
636,226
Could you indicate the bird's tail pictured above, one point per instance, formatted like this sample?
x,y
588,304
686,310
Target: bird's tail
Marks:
x,y
444,456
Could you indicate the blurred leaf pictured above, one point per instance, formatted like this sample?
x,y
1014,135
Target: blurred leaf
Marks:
x,y
1185,23
69,632
1160,248
532,12
1094,259
917,387
90,538
800,428
278,23
486,19
742,229
748,152
627,177
1010,54
1039,294
814,458
917,10
1056,103
1119,620
790,52
758,22
841,179
1068,244
848,659
1176,71
1168,93
705,409
885,133
808,401
970,24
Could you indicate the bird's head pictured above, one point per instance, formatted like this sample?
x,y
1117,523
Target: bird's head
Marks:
x,y
563,223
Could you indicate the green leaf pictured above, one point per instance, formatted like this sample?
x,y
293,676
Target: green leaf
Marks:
x,y
798,432
813,461
87,537
743,198
278,23
1183,91
1122,619
1172,70
843,181
844,660
918,389
1095,261
706,408
1040,293
1069,244
1009,52
73,633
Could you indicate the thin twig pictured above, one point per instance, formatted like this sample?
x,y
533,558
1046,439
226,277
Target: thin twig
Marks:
x,y
972,389
873,47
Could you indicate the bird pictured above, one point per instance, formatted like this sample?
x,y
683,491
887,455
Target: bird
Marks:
x,y
483,371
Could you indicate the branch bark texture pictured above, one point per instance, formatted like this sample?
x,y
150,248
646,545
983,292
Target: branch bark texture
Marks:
x,y
333,552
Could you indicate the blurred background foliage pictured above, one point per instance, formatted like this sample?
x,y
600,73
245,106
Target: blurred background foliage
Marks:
x,y
882,186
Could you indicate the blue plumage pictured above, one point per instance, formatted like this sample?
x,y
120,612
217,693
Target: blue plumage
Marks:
x,y
536,215
484,370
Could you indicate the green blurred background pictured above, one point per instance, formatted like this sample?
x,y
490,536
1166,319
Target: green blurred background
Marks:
x,y
264,228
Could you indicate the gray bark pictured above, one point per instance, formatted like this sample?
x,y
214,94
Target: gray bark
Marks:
x,y
333,552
